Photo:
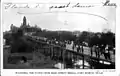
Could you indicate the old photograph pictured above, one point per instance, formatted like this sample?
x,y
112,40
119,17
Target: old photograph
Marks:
x,y
58,36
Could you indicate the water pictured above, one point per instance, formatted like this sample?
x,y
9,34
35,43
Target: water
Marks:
x,y
87,65
76,65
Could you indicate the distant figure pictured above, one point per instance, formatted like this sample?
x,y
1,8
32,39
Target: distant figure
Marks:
x,y
109,57
72,47
102,49
107,53
91,51
97,51
82,49
78,48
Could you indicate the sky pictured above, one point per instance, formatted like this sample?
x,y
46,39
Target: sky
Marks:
x,y
80,19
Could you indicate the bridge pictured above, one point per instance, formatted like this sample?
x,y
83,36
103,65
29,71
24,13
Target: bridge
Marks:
x,y
63,54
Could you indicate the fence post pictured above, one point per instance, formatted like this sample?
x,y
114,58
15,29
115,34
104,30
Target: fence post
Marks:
x,y
98,55
52,52
83,61
64,58
82,50
91,51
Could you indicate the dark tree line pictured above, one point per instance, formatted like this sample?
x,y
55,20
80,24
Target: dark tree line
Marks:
x,y
91,38
18,42
58,35
103,39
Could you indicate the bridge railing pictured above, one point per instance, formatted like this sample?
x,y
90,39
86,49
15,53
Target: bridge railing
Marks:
x,y
61,53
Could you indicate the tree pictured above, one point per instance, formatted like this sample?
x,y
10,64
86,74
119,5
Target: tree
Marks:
x,y
20,43
94,40
84,37
108,38
7,37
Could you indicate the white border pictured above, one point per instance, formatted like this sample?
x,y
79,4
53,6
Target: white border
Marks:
x,y
118,37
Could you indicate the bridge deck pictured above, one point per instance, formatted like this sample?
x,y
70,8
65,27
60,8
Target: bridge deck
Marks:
x,y
74,52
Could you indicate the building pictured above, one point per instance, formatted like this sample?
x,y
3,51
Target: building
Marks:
x,y
13,28
27,28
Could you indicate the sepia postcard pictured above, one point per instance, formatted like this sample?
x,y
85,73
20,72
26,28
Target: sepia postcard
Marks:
x,y
59,37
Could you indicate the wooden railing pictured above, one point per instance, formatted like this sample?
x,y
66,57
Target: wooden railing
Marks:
x,y
55,51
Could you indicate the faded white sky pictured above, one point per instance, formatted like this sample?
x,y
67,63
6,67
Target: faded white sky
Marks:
x,y
56,21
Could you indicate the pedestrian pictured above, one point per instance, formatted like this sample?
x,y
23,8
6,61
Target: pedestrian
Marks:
x,y
102,49
109,57
73,47
82,49
107,53
97,51
78,48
